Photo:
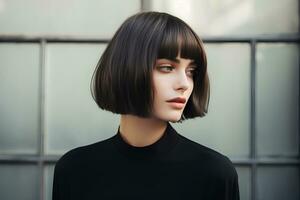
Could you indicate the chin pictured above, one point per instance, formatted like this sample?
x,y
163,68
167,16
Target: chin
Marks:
x,y
173,121
173,118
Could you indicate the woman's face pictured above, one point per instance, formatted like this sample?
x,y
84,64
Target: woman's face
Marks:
x,y
172,79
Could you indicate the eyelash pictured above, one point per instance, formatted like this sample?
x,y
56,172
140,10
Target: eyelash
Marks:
x,y
172,67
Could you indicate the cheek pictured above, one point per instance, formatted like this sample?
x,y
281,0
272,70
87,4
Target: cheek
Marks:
x,y
191,85
157,90
160,84
191,88
160,91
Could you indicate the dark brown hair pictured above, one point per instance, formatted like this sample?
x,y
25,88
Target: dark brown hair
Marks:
x,y
122,80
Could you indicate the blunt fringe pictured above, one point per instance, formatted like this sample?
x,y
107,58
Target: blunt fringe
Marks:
x,y
122,80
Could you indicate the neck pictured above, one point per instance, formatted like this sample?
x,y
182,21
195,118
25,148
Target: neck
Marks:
x,y
140,132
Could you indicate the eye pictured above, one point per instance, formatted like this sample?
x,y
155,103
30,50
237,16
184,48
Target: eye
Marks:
x,y
191,71
166,68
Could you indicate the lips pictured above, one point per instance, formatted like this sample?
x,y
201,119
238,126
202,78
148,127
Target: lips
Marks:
x,y
177,100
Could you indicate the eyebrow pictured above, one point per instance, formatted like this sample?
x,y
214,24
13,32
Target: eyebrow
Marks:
x,y
177,60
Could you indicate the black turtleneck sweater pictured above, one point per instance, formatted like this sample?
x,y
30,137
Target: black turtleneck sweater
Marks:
x,y
173,167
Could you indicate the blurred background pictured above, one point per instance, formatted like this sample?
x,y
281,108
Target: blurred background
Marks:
x,y
49,50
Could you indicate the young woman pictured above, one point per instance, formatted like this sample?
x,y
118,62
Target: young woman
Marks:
x,y
152,72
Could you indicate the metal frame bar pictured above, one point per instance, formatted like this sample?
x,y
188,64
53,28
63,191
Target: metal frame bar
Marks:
x,y
41,134
51,159
228,39
253,144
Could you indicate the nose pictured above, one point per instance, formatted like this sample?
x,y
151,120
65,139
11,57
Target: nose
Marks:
x,y
182,82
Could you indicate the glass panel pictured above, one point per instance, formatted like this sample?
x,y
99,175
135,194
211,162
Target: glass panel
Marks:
x,y
48,181
244,182
233,17
19,105
72,117
95,18
277,99
226,127
278,183
19,182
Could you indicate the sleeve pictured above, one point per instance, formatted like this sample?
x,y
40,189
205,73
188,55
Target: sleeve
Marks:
x,y
235,193
232,185
56,187
60,187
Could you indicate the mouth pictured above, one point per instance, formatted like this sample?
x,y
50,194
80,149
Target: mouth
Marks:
x,y
178,100
177,103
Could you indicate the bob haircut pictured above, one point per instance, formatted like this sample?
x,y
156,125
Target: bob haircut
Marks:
x,y
122,81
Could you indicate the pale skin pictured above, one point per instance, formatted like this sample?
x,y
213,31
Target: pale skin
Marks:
x,y
171,78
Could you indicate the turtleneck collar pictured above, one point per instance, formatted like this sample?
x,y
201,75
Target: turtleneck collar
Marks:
x,y
159,148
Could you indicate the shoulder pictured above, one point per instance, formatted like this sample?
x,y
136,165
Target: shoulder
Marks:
x,y
82,155
206,157
211,166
